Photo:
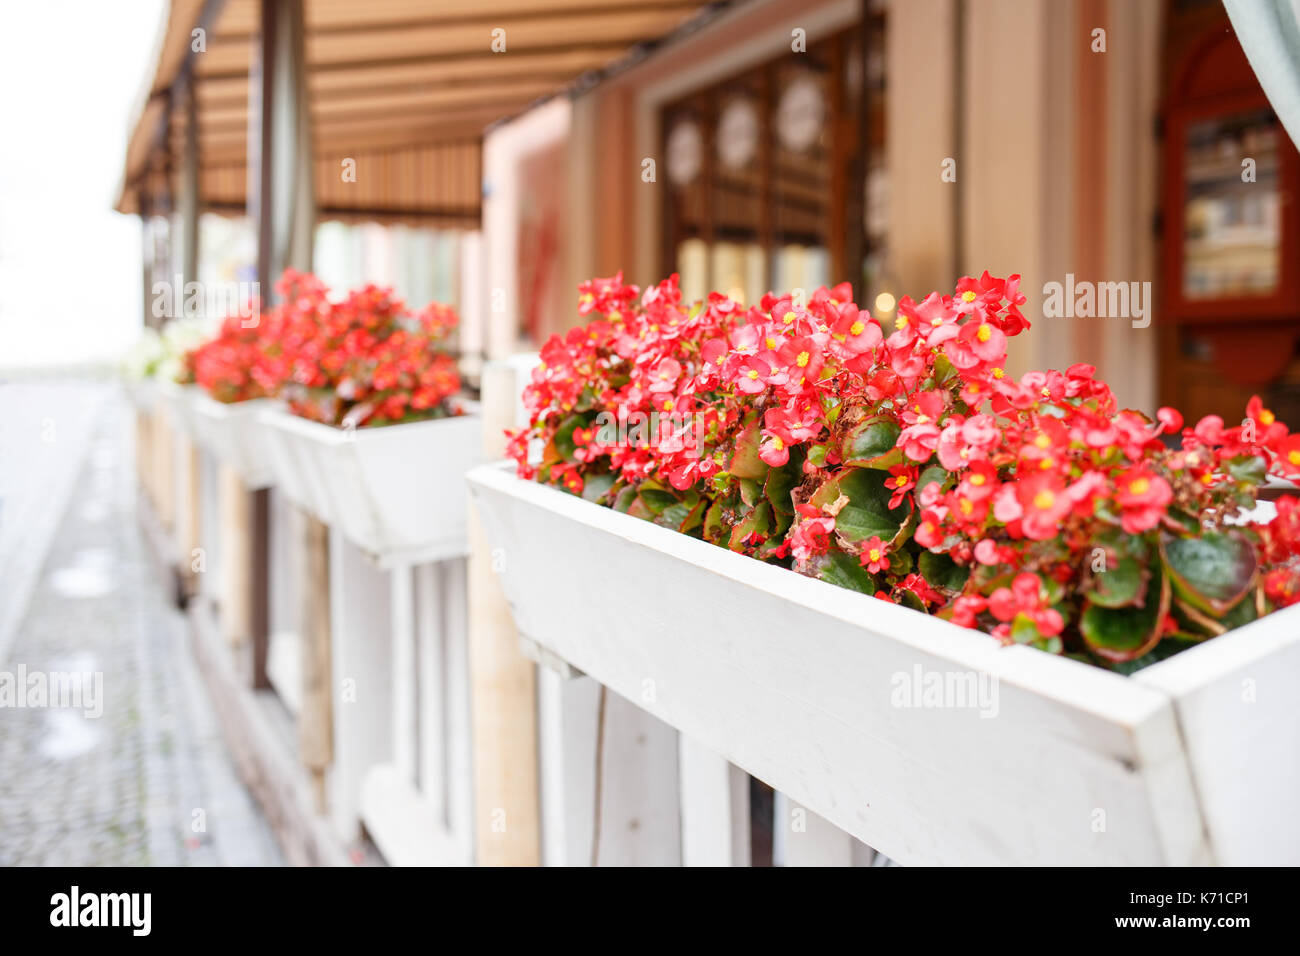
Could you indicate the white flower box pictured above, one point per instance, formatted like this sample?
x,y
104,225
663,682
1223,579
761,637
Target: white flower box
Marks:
x,y
397,491
178,401
854,707
232,433
142,393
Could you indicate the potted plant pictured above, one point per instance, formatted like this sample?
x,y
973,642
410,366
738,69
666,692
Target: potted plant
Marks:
x,y
966,618
138,368
174,371
374,439
239,371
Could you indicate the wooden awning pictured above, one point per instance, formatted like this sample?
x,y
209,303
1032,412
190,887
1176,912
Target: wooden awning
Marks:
x,y
403,87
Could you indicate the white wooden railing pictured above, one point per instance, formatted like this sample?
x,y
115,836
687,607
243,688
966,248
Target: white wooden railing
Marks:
x,y
616,786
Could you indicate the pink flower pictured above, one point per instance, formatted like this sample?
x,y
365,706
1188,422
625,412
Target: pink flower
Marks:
x,y
874,556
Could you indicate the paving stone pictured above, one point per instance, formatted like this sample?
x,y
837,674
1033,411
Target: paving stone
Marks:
x,y
119,789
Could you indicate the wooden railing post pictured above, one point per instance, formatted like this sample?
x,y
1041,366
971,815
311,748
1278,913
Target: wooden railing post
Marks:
x,y
503,690
316,717
235,513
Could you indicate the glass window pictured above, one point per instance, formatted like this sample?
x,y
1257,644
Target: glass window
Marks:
x,y
1232,232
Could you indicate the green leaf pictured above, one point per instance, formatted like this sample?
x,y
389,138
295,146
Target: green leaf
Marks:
x,y
715,528
750,491
657,500
758,520
745,463
843,570
683,516
1242,613
595,486
1167,647
1248,469
1025,631
943,369
563,438
930,475
1119,586
872,444
1126,633
624,499
867,513
943,572
780,484
1211,571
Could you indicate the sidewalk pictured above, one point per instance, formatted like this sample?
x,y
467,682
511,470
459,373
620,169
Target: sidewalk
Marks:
x,y
148,782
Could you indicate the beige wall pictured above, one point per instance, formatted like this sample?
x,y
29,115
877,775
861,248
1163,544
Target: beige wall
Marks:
x,y
1056,168
919,136
510,153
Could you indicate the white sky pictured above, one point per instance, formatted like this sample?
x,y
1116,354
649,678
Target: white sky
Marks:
x,y
70,72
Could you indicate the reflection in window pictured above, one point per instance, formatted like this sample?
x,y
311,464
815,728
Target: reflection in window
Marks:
x,y
1231,226
768,173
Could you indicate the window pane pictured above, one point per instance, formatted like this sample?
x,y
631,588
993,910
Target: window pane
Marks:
x,y
1231,225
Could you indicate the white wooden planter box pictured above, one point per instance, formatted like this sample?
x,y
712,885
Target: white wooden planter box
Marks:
x,y
232,434
397,491
1195,760
142,394
179,400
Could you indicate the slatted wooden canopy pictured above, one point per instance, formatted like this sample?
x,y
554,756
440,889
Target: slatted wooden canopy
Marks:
x,y
404,86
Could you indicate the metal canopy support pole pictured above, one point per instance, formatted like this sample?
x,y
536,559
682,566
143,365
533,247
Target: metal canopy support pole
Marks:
x,y
146,260
281,197
186,106
259,210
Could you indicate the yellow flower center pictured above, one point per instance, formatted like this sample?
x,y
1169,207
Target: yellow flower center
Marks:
x,y
968,296
874,554
966,506
1139,486
802,360
771,342
984,332
777,443
977,479
720,359
668,405
1042,441
1266,417
1044,500
752,373
998,373
856,328
789,317
1294,457
900,322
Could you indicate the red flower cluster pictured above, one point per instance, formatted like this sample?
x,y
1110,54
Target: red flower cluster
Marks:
x,y
364,360
236,366
907,464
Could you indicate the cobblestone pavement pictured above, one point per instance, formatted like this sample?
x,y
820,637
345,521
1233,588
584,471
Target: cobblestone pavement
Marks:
x,y
148,781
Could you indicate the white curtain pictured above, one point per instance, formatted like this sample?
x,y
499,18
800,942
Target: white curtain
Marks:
x,y
1269,31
